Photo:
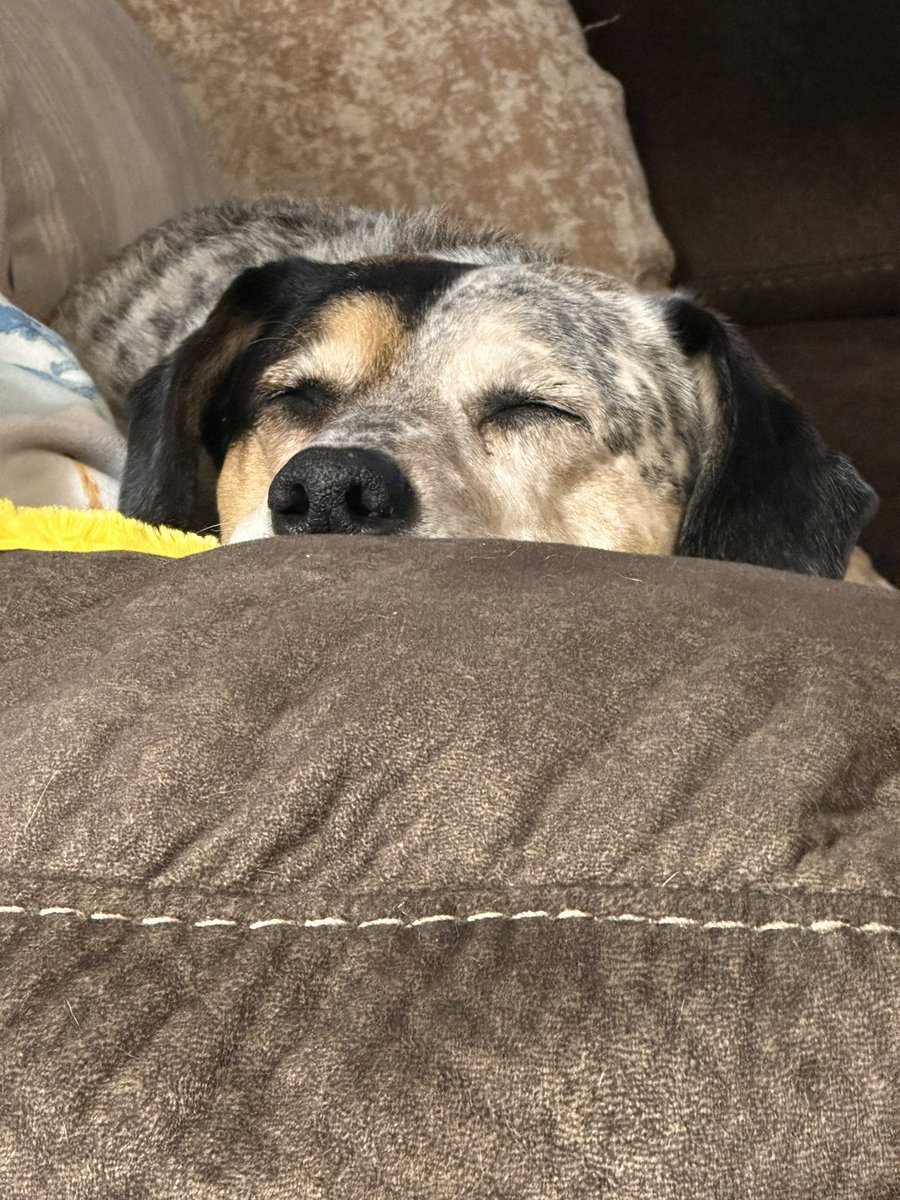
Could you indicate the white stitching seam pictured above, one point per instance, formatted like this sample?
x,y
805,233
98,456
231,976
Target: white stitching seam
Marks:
x,y
823,925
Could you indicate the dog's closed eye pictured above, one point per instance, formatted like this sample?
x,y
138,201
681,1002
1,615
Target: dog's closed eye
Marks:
x,y
304,397
508,409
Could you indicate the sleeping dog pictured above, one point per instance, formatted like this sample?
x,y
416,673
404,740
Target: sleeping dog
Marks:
x,y
287,368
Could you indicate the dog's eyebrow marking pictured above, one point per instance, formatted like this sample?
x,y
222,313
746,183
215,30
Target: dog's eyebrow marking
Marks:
x,y
358,338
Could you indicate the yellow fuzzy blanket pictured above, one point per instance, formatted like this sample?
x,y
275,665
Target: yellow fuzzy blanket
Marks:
x,y
83,530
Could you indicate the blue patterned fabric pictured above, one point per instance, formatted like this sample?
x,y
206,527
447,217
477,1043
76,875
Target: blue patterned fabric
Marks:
x,y
58,441
29,346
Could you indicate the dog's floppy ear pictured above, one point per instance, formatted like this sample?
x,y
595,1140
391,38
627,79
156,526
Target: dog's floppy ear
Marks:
x,y
768,490
169,478
162,481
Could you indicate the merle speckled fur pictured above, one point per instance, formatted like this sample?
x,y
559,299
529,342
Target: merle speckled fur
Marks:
x,y
637,422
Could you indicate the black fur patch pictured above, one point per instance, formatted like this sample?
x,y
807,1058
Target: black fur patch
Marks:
x,y
770,492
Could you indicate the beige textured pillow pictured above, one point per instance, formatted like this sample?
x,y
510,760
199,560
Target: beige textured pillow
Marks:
x,y
97,143
492,107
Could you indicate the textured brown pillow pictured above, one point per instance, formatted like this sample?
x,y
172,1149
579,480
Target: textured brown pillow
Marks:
x,y
96,143
492,107
355,868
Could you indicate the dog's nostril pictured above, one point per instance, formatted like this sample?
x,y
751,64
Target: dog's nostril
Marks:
x,y
364,505
295,502
356,505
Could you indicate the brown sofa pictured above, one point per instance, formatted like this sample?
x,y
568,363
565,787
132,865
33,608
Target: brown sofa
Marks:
x,y
768,133
344,868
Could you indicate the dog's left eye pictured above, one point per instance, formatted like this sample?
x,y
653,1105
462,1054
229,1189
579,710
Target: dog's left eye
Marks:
x,y
312,393
515,409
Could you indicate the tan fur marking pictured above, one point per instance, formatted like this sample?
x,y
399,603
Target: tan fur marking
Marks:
x,y
616,510
360,338
861,571
250,465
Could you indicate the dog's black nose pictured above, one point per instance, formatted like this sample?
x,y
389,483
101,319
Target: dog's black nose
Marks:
x,y
333,490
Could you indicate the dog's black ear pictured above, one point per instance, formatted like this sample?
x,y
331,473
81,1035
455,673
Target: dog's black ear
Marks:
x,y
169,478
160,483
768,490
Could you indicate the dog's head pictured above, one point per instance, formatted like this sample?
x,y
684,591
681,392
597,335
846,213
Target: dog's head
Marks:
x,y
515,400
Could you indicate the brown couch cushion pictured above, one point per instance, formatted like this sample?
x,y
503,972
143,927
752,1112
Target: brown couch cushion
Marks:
x,y
345,867
846,374
491,107
768,131
97,144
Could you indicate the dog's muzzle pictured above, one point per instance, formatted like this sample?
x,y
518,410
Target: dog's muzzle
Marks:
x,y
340,490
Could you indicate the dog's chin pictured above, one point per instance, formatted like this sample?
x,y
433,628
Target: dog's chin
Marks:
x,y
255,526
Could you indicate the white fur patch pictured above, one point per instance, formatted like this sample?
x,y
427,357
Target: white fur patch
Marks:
x,y
256,525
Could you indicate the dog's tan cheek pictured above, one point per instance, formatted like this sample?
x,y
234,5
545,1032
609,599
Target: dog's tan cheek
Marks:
x,y
243,482
617,510
250,465
861,571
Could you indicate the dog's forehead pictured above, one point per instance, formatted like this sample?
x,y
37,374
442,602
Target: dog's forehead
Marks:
x,y
559,307
526,315
410,283
543,299
359,322
474,321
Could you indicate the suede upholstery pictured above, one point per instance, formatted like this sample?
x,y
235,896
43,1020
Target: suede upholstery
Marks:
x,y
371,868
768,135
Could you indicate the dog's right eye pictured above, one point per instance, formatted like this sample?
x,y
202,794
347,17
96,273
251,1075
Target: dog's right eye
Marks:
x,y
516,410
303,395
